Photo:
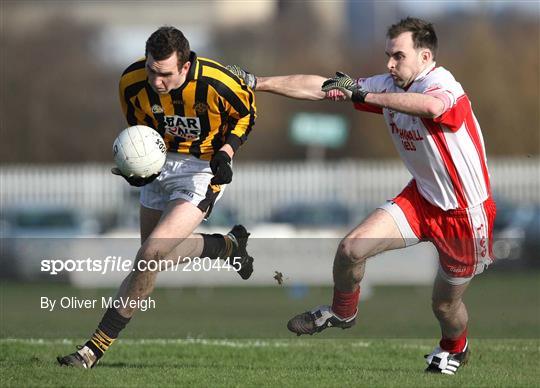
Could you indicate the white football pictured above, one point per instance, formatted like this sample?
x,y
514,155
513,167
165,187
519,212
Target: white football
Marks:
x,y
139,151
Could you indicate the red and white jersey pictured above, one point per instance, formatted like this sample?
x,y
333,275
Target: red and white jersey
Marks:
x,y
445,155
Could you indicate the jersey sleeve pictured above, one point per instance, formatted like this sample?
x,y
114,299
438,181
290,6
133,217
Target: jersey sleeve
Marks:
x,y
454,116
444,87
445,95
375,84
238,101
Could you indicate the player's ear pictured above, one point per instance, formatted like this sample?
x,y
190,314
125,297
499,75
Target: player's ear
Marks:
x,y
185,67
426,55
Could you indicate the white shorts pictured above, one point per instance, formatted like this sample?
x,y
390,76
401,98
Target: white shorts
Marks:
x,y
182,177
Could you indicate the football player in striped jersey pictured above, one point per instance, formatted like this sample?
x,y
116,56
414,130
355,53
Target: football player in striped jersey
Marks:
x,y
204,113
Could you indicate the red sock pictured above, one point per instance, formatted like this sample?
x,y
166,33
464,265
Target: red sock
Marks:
x,y
345,304
454,345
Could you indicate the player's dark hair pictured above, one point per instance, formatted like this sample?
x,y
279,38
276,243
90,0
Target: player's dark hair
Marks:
x,y
423,33
165,41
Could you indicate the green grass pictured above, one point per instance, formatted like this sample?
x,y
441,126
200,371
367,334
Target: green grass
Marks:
x,y
292,362
237,337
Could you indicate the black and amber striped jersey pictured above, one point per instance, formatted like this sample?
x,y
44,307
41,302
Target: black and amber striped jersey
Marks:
x,y
212,108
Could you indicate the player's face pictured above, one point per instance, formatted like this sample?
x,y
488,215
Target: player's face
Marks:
x,y
405,62
164,75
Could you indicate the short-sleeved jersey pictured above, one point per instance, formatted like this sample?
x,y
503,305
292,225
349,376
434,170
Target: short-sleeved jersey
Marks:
x,y
211,108
445,155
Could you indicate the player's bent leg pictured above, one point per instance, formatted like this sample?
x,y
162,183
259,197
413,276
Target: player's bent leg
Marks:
x,y
377,233
169,239
177,223
447,304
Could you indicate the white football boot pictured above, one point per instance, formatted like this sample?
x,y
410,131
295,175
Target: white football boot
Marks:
x,y
440,361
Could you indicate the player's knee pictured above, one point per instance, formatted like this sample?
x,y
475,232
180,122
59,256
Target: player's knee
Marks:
x,y
349,253
148,259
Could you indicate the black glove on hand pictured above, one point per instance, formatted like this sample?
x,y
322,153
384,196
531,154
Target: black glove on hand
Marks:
x,y
347,85
136,181
249,79
221,168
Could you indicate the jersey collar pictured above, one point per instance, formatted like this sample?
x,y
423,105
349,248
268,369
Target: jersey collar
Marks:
x,y
420,76
426,71
193,72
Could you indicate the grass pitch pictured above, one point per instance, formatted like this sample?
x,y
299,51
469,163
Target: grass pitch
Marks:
x,y
292,363
237,337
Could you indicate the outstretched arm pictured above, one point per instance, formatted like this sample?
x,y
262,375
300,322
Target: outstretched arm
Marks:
x,y
300,86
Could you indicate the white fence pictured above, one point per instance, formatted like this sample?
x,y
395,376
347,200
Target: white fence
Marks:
x,y
257,188
89,186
